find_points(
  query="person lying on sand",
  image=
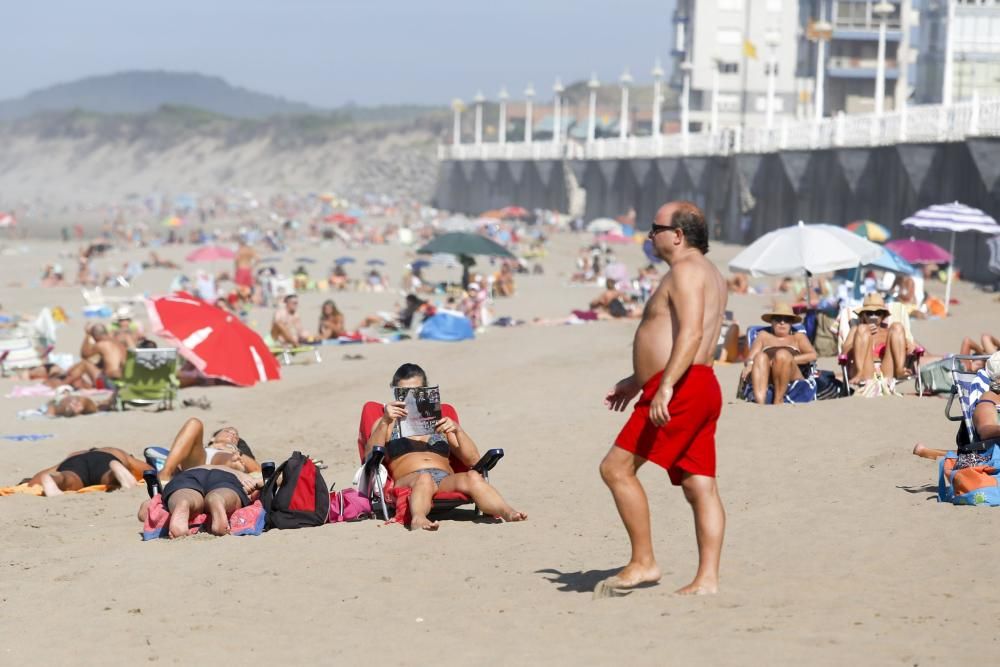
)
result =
(110, 466)
(225, 449)
(985, 421)
(214, 490)
(988, 344)
(776, 355)
(421, 462)
(75, 405)
(871, 338)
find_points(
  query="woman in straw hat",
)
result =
(776, 355)
(872, 341)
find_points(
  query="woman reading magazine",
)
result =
(420, 462)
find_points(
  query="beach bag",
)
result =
(936, 377)
(349, 505)
(296, 495)
(828, 386)
(975, 485)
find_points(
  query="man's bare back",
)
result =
(245, 257)
(654, 338)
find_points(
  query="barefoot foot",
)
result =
(423, 523)
(179, 522)
(696, 587)
(513, 515)
(50, 487)
(631, 576)
(219, 521)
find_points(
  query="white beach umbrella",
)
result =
(952, 218)
(815, 248)
(604, 226)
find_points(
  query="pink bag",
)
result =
(349, 505)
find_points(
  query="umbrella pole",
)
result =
(951, 266)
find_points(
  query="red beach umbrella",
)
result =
(212, 339)
(513, 212)
(7, 219)
(210, 253)
(341, 219)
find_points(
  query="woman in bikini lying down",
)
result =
(226, 448)
(214, 490)
(421, 462)
(115, 468)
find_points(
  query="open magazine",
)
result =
(423, 410)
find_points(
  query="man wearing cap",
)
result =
(776, 355)
(124, 329)
(871, 339)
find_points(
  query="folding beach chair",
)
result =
(799, 391)
(285, 355)
(19, 349)
(975, 484)
(897, 313)
(379, 487)
(149, 378)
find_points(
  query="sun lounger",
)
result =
(149, 378)
(379, 487)
(799, 391)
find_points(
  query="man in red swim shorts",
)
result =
(673, 423)
(246, 258)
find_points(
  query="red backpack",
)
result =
(296, 495)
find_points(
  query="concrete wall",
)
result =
(745, 196)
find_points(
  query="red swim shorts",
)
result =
(243, 277)
(686, 443)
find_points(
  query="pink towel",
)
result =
(247, 520)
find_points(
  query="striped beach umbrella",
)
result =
(870, 230)
(954, 218)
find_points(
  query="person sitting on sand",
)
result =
(776, 355)
(110, 466)
(286, 328)
(985, 421)
(404, 319)
(226, 449)
(108, 361)
(421, 462)
(214, 490)
(871, 339)
(331, 321)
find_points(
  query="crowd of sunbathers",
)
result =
(218, 476)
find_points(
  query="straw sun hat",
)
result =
(781, 310)
(873, 303)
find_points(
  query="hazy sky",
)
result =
(328, 52)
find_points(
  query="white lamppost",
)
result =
(686, 68)
(772, 39)
(949, 56)
(502, 121)
(593, 85)
(882, 11)
(822, 31)
(626, 81)
(558, 89)
(657, 102)
(457, 107)
(714, 119)
(529, 93)
(479, 99)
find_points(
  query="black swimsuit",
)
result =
(437, 444)
(89, 466)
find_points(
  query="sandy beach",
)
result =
(836, 549)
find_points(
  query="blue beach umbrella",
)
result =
(647, 248)
(419, 264)
(890, 261)
(305, 260)
(340, 261)
(375, 262)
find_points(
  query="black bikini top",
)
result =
(436, 444)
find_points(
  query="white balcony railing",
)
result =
(925, 123)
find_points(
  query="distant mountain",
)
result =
(145, 91)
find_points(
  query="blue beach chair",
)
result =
(799, 391)
(969, 386)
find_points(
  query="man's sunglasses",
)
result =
(780, 319)
(656, 229)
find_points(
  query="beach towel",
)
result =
(36, 490)
(974, 485)
(402, 495)
(247, 520)
(27, 437)
(31, 390)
